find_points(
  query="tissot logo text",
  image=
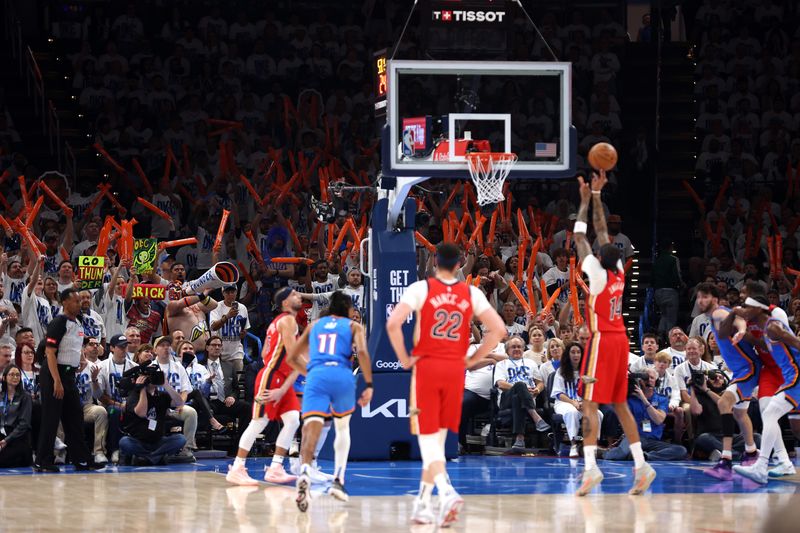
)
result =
(468, 16)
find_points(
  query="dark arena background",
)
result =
(195, 194)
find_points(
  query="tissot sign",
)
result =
(463, 15)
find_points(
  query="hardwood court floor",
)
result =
(501, 494)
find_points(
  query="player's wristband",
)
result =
(368, 385)
(580, 227)
(596, 192)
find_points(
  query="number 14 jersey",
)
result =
(604, 308)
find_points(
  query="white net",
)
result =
(489, 171)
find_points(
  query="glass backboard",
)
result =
(440, 110)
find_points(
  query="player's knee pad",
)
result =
(728, 425)
(291, 419)
(431, 449)
(342, 424)
(254, 429)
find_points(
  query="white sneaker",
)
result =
(115, 457)
(756, 472)
(591, 478)
(783, 469)
(237, 474)
(303, 498)
(573, 451)
(318, 476)
(421, 514)
(101, 458)
(276, 474)
(337, 491)
(449, 507)
(643, 477)
(59, 445)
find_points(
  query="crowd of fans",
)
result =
(201, 99)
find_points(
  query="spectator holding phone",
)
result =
(230, 321)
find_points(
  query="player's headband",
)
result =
(750, 302)
(281, 295)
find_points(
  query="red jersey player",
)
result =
(444, 308)
(275, 398)
(605, 362)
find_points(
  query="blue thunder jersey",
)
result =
(786, 357)
(330, 341)
(741, 358)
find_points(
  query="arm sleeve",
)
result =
(56, 330)
(597, 274)
(479, 301)
(415, 294)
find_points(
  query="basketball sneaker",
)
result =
(644, 476)
(449, 507)
(276, 474)
(591, 478)
(338, 492)
(782, 469)
(303, 498)
(749, 459)
(422, 514)
(318, 475)
(756, 472)
(722, 470)
(573, 451)
(238, 476)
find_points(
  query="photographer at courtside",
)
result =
(146, 418)
(649, 410)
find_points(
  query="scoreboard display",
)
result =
(466, 27)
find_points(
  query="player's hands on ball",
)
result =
(599, 180)
(585, 191)
(366, 397)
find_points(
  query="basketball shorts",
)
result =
(744, 384)
(273, 410)
(437, 389)
(330, 390)
(791, 390)
(605, 368)
(770, 378)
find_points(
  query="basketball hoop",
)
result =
(489, 171)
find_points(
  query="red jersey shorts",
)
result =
(437, 390)
(604, 370)
(771, 378)
(267, 380)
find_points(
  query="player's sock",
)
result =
(443, 485)
(425, 492)
(727, 455)
(341, 447)
(638, 455)
(239, 461)
(590, 456)
(750, 448)
(277, 460)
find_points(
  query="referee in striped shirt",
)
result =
(59, 356)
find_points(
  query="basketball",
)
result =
(603, 156)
